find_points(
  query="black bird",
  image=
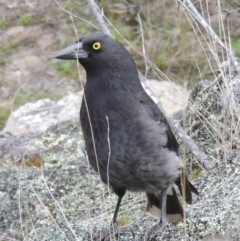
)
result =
(128, 139)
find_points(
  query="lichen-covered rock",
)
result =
(36, 118)
(49, 192)
(212, 117)
(212, 120)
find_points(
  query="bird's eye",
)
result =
(96, 46)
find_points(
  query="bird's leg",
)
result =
(120, 193)
(114, 229)
(163, 207)
(162, 223)
(114, 220)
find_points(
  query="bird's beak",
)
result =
(74, 51)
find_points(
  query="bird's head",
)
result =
(97, 50)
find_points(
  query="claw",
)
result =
(154, 231)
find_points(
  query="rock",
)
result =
(172, 96)
(212, 116)
(36, 118)
(212, 121)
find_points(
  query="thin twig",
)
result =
(99, 17)
(109, 153)
(73, 15)
(143, 45)
(189, 7)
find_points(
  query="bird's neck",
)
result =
(114, 79)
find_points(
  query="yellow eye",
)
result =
(96, 46)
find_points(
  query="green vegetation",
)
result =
(25, 97)
(236, 46)
(8, 49)
(68, 68)
(123, 220)
(3, 23)
(4, 114)
(25, 20)
(2, 62)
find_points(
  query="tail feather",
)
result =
(185, 185)
(174, 209)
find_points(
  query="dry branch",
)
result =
(189, 7)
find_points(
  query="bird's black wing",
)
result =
(158, 116)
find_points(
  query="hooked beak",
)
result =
(74, 51)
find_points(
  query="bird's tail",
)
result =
(174, 209)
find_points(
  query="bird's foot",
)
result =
(153, 232)
(111, 233)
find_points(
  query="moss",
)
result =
(123, 220)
